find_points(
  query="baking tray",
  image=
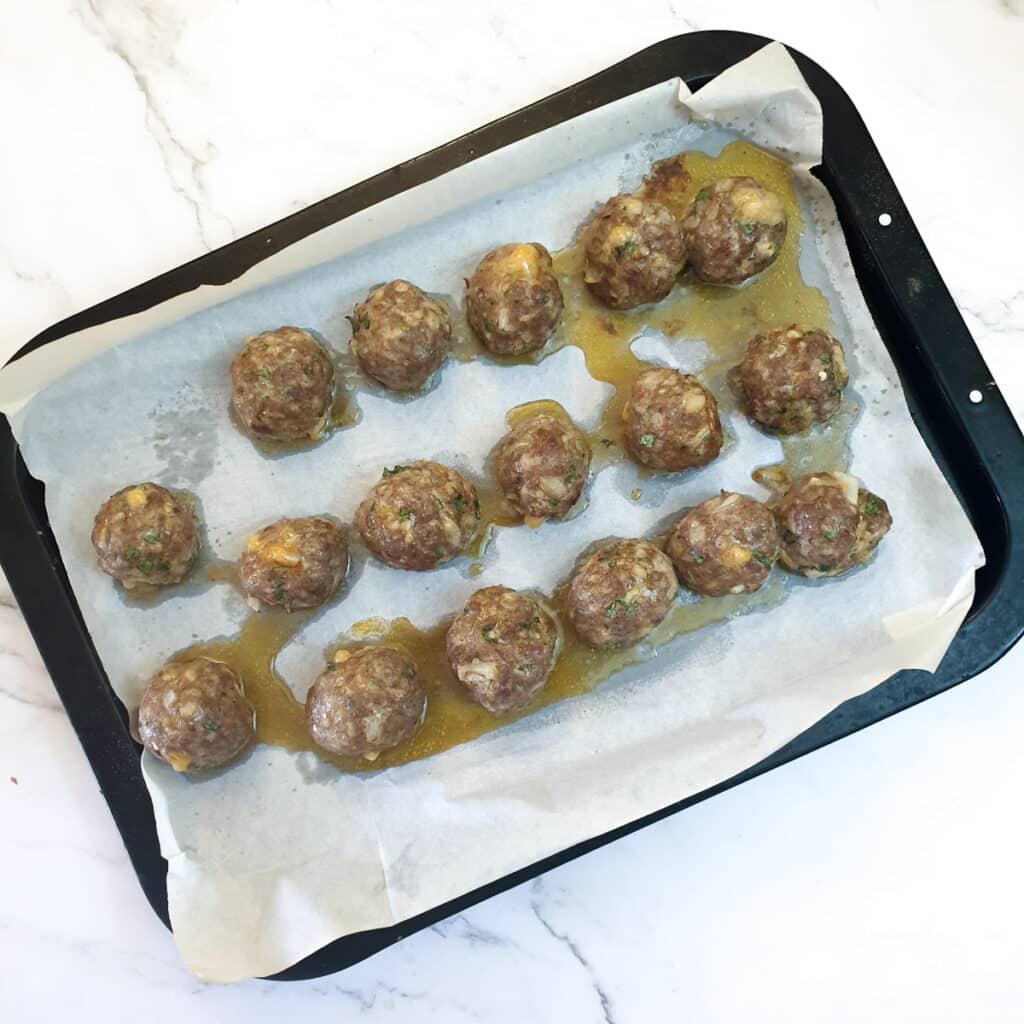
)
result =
(976, 443)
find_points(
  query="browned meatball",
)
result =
(726, 545)
(634, 252)
(828, 524)
(671, 421)
(792, 378)
(542, 464)
(400, 335)
(369, 701)
(620, 592)
(293, 563)
(733, 230)
(513, 300)
(502, 648)
(194, 715)
(418, 516)
(282, 385)
(146, 534)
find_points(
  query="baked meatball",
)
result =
(634, 252)
(542, 465)
(418, 516)
(194, 715)
(282, 386)
(502, 648)
(620, 592)
(400, 336)
(726, 545)
(146, 534)
(293, 563)
(733, 230)
(828, 524)
(671, 421)
(369, 701)
(792, 378)
(513, 300)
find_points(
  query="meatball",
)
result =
(293, 563)
(369, 701)
(513, 300)
(620, 592)
(828, 524)
(542, 464)
(502, 648)
(194, 715)
(733, 230)
(726, 545)
(634, 252)
(792, 378)
(418, 516)
(400, 336)
(146, 534)
(671, 421)
(282, 386)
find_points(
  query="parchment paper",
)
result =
(281, 854)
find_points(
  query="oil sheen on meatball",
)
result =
(369, 701)
(671, 421)
(620, 592)
(828, 524)
(418, 516)
(146, 534)
(400, 335)
(726, 545)
(513, 300)
(634, 252)
(502, 648)
(733, 230)
(542, 465)
(282, 386)
(293, 563)
(792, 378)
(194, 715)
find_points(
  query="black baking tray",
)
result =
(977, 444)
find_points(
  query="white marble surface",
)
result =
(876, 879)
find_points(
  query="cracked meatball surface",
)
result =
(671, 421)
(294, 563)
(620, 592)
(542, 465)
(400, 335)
(725, 545)
(513, 299)
(828, 524)
(370, 700)
(146, 534)
(194, 715)
(419, 516)
(792, 378)
(734, 229)
(282, 386)
(501, 646)
(633, 252)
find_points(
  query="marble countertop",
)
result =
(878, 878)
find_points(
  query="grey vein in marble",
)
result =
(673, 7)
(366, 999)
(98, 21)
(565, 940)
(42, 279)
(23, 679)
(1005, 320)
(460, 927)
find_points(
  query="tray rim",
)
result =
(114, 758)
